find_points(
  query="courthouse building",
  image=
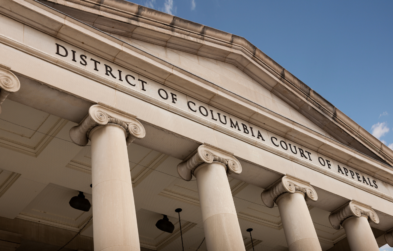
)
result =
(141, 113)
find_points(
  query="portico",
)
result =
(157, 118)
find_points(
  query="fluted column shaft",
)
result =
(220, 222)
(359, 234)
(115, 224)
(296, 220)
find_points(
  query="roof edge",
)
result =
(169, 22)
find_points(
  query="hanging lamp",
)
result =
(252, 242)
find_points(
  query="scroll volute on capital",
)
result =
(208, 154)
(352, 209)
(287, 184)
(9, 83)
(100, 115)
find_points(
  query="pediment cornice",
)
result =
(132, 20)
(95, 41)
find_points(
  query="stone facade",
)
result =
(145, 113)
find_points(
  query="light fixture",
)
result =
(252, 242)
(178, 210)
(165, 225)
(80, 202)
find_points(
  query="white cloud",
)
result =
(391, 146)
(193, 4)
(150, 3)
(383, 141)
(379, 129)
(169, 7)
(383, 114)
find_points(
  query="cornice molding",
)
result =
(287, 184)
(9, 83)
(235, 50)
(208, 154)
(374, 167)
(352, 209)
(101, 115)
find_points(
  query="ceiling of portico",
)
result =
(44, 183)
(51, 207)
(30, 140)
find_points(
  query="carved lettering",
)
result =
(104, 68)
(234, 125)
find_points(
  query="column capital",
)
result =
(287, 184)
(352, 209)
(8, 83)
(102, 115)
(208, 154)
(389, 237)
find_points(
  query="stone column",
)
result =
(389, 237)
(9, 83)
(210, 167)
(114, 219)
(289, 194)
(354, 217)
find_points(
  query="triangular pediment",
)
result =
(227, 61)
(228, 77)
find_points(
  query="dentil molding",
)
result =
(8, 83)
(352, 209)
(100, 115)
(287, 184)
(208, 154)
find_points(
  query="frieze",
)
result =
(212, 116)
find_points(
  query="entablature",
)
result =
(135, 21)
(120, 54)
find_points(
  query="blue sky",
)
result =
(341, 49)
(386, 248)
